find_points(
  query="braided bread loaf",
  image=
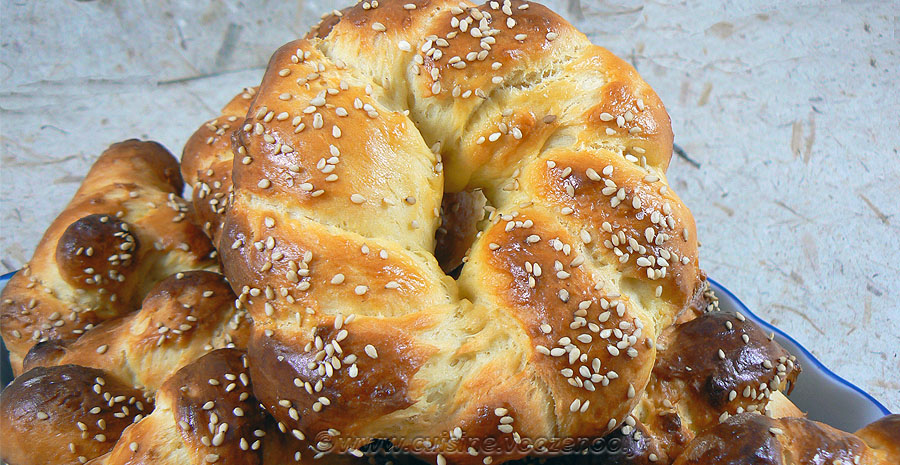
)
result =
(329, 239)
(183, 317)
(126, 229)
(883, 435)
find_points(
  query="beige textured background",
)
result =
(787, 113)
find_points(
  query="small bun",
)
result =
(65, 415)
(207, 160)
(709, 368)
(725, 362)
(97, 252)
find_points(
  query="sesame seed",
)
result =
(360, 290)
(357, 198)
(378, 27)
(371, 351)
(575, 405)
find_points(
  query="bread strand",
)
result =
(183, 317)
(207, 160)
(205, 413)
(66, 415)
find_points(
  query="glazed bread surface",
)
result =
(65, 415)
(207, 160)
(751, 438)
(205, 413)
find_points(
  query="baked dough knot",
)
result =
(339, 170)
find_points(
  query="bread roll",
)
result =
(126, 229)
(207, 160)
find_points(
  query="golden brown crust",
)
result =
(65, 415)
(590, 346)
(183, 317)
(207, 160)
(125, 229)
(750, 438)
(326, 23)
(112, 251)
(738, 368)
(288, 379)
(883, 435)
(205, 413)
(694, 386)
(643, 228)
